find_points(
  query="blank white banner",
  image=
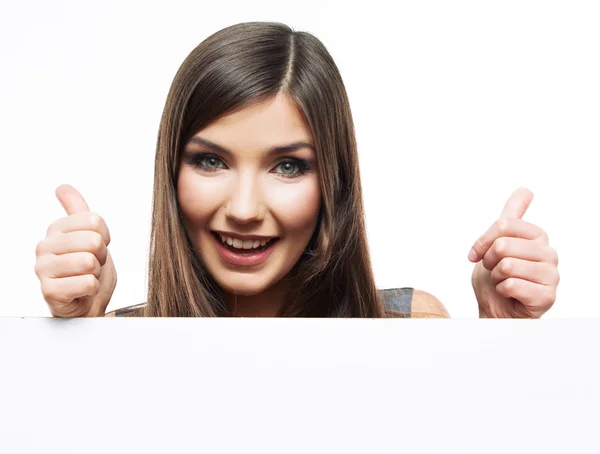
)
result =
(299, 386)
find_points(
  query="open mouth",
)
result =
(246, 248)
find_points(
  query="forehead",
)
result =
(269, 123)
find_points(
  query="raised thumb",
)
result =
(517, 204)
(71, 200)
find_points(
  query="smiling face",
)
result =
(246, 178)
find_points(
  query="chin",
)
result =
(243, 288)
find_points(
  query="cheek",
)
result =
(196, 208)
(296, 206)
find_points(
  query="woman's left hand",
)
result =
(516, 274)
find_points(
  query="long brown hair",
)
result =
(233, 68)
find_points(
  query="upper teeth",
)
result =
(243, 244)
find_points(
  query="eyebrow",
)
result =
(271, 151)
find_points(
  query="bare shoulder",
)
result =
(425, 305)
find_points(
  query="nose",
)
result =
(245, 205)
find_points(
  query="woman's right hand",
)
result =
(75, 269)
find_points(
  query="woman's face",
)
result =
(244, 179)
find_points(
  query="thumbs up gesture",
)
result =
(516, 271)
(73, 264)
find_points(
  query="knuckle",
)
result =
(550, 297)
(506, 266)
(40, 248)
(502, 226)
(50, 230)
(500, 246)
(509, 284)
(56, 226)
(96, 221)
(98, 224)
(91, 284)
(502, 289)
(88, 262)
(39, 267)
(96, 242)
(48, 290)
(552, 256)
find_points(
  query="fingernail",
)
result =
(472, 255)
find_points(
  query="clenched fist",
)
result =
(516, 275)
(75, 269)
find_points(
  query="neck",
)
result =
(264, 304)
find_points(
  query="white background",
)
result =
(456, 104)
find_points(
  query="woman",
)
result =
(258, 208)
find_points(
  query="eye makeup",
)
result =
(210, 162)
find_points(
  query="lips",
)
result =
(246, 250)
(244, 257)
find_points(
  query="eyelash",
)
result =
(197, 159)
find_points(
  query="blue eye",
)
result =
(289, 167)
(293, 167)
(207, 162)
(212, 163)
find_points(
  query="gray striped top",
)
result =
(397, 300)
